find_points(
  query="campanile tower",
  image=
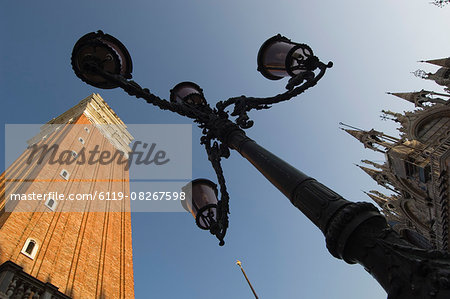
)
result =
(59, 236)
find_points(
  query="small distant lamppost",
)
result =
(246, 278)
(354, 232)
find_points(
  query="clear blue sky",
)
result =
(374, 45)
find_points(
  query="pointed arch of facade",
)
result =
(427, 118)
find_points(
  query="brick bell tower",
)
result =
(60, 247)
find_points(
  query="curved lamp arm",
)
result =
(244, 104)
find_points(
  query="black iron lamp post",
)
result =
(354, 232)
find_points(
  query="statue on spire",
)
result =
(398, 117)
(421, 74)
(440, 3)
(441, 77)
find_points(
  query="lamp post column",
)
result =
(354, 232)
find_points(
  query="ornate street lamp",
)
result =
(201, 201)
(278, 57)
(354, 232)
(188, 93)
(102, 50)
(103, 61)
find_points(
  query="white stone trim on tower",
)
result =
(100, 115)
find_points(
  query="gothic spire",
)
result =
(379, 176)
(379, 194)
(409, 96)
(374, 174)
(445, 62)
(368, 138)
(398, 118)
(394, 114)
(378, 199)
(418, 98)
(358, 134)
(379, 166)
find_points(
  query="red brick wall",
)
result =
(86, 254)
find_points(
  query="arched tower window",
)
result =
(30, 248)
(65, 174)
(51, 203)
